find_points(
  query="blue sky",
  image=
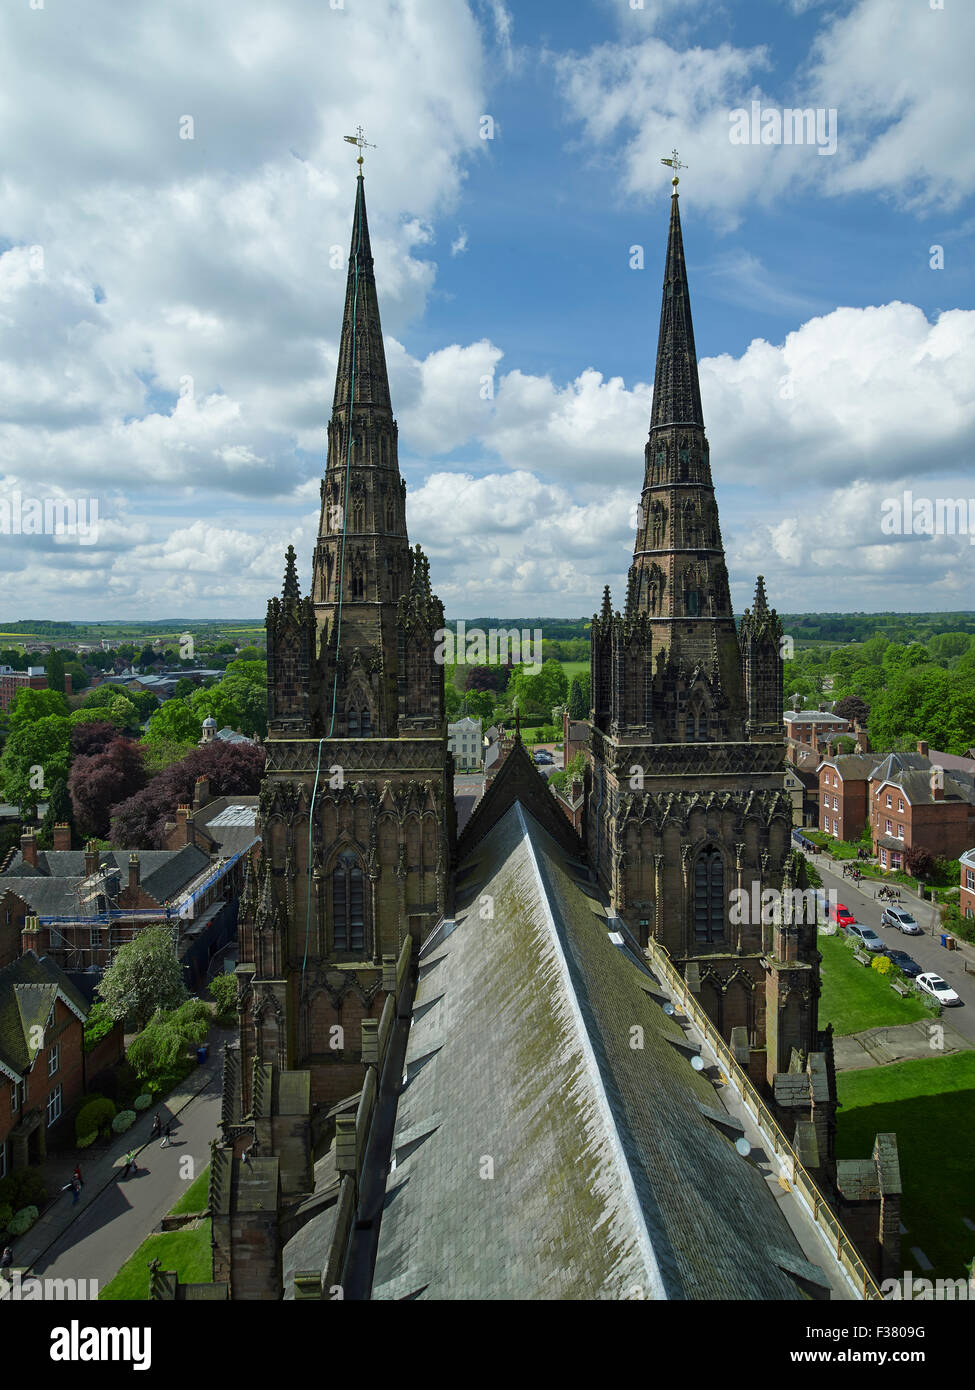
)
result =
(169, 307)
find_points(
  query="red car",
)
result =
(842, 916)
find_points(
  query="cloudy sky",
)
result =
(169, 306)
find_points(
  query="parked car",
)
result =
(902, 920)
(905, 963)
(941, 990)
(541, 757)
(864, 936)
(841, 915)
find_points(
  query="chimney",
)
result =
(182, 812)
(201, 793)
(576, 789)
(30, 936)
(937, 783)
(62, 836)
(190, 828)
(133, 877)
(91, 858)
(28, 848)
(922, 748)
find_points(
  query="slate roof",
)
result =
(611, 1178)
(50, 888)
(29, 987)
(230, 821)
(852, 767)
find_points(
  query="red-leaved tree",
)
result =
(233, 769)
(98, 782)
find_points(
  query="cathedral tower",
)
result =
(357, 799)
(686, 800)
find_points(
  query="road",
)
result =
(927, 950)
(106, 1233)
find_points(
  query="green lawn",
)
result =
(930, 1106)
(855, 997)
(187, 1251)
(575, 668)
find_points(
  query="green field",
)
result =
(855, 997)
(187, 1251)
(930, 1106)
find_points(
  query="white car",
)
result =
(903, 921)
(940, 989)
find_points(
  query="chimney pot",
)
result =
(28, 848)
(134, 875)
(922, 747)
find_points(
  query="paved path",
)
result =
(114, 1216)
(900, 1042)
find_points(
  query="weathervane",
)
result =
(360, 141)
(674, 163)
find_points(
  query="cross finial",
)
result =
(675, 164)
(359, 140)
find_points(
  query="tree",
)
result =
(183, 687)
(478, 704)
(174, 722)
(100, 782)
(233, 769)
(59, 812)
(853, 709)
(34, 757)
(55, 672)
(919, 862)
(89, 736)
(144, 977)
(32, 705)
(577, 705)
(452, 700)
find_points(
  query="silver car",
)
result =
(903, 921)
(865, 937)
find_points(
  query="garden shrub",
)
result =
(142, 1102)
(22, 1189)
(98, 1025)
(881, 964)
(85, 1141)
(224, 990)
(94, 1115)
(21, 1223)
(124, 1120)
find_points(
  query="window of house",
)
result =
(54, 1059)
(709, 895)
(883, 857)
(14, 1099)
(969, 912)
(888, 799)
(900, 832)
(348, 922)
(54, 1102)
(836, 804)
(890, 827)
(970, 879)
(900, 804)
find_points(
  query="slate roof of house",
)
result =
(852, 767)
(912, 772)
(29, 987)
(812, 716)
(231, 822)
(164, 872)
(611, 1178)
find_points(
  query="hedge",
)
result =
(21, 1223)
(95, 1114)
(124, 1120)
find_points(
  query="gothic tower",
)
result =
(686, 799)
(357, 799)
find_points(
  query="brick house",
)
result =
(844, 783)
(575, 737)
(34, 678)
(966, 897)
(42, 1070)
(807, 730)
(916, 802)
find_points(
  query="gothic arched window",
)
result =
(348, 905)
(708, 896)
(365, 722)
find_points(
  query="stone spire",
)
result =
(676, 390)
(361, 376)
(290, 589)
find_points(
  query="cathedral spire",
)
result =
(290, 589)
(760, 606)
(361, 376)
(676, 390)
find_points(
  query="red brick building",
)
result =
(966, 900)
(575, 737)
(34, 678)
(42, 1071)
(843, 794)
(915, 802)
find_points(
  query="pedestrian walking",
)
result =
(7, 1258)
(75, 1191)
(77, 1174)
(167, 1135)
(129, 1163)
(156, 1126)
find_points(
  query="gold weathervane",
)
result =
(359, 140)
(674, 163)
